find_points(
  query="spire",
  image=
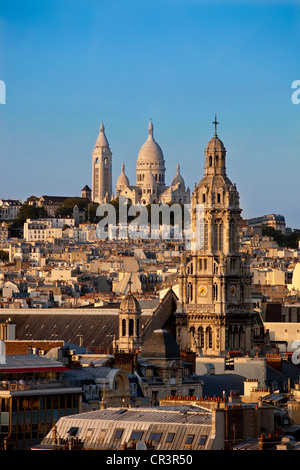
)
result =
(150, 128)
(102, 140)
(215, 122)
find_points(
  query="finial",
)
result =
(150, 127)
(123, 168)
(102, 126)
(215, 122)
(129, 285)
(178, 168)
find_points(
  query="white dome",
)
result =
(149, 179)
(178, 179)
(150, 152)
(122, 180)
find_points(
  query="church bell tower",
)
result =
(129, 324)
(214, 308)
(101, 169)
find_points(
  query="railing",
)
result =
(35, 385)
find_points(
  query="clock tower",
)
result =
(214, 311)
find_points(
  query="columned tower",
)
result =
(101, 169)
(214, 309)
(129, 324)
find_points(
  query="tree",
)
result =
(66, 209)
(290, 240)
(28, 211)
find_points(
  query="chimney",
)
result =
(8, 331)
(234, 397)
(266, 442)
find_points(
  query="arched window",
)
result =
(137, 326)
(218, 235)
(131, 327)
(231, 235)
(210, 160)
(203, 198)
(190, 292)
(206, 236)
(215, 291)
(192, 334)
(221, 236)
(123, 327)
(201, 337)
(208, 337)
(218, 197)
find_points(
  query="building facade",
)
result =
(276, 221)
(9, 209)
(33, 396)
(214, 308)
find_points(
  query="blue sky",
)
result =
(68, 65)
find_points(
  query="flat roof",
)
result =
(29, 363)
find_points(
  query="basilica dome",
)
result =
(178, 179)
(123, 179)
(150, 152)
(149, 179)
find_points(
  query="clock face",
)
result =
(232, 291)
(202, 291)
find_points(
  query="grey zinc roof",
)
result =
(214, 385)
(28, 360)
(97, 429)
(179, 415)
(160, 344)
(97, 329)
